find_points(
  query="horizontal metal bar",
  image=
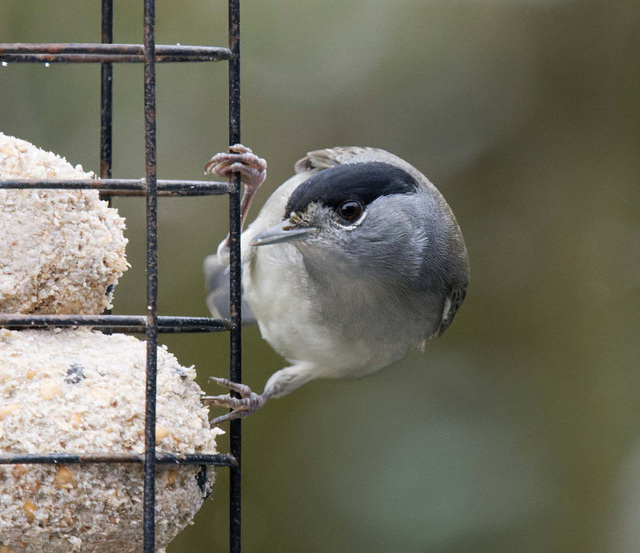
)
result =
(54, 52)
(118, 323)
(220, 459)
(125, 187)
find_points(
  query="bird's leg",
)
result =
(253, 171)
(280, 384)
(248, 402)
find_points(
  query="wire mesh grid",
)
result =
(106, 53)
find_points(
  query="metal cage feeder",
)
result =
(106, 54)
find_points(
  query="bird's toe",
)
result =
(248, 402)
(239, 159)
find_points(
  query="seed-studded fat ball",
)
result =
(81, 391)
(61, 251)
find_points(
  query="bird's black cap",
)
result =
(363, 182)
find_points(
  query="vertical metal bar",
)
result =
(152, 274)
(235, 276)
(106, 104)
(106, 95)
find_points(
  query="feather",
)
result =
(216, 273)
(330, 157)
(452, 303)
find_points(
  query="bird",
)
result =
(352, 263)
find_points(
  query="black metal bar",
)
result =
(152, 275)
(235, 369)
(221, 460)
(125, 187)
(117, 323)
(106, 95)
(106, 53)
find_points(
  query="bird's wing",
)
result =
(452, 303)
(330, 157)
(216, 275)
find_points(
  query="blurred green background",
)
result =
(519, 430)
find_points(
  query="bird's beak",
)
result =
(287, 231)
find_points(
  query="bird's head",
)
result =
(372, 221)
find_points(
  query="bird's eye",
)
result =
(350, 211)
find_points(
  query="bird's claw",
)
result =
(248, 402)
(239, 159)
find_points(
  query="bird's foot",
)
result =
(248, 402)
(239, 159)
(252, 169)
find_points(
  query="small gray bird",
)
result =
(353, 262)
